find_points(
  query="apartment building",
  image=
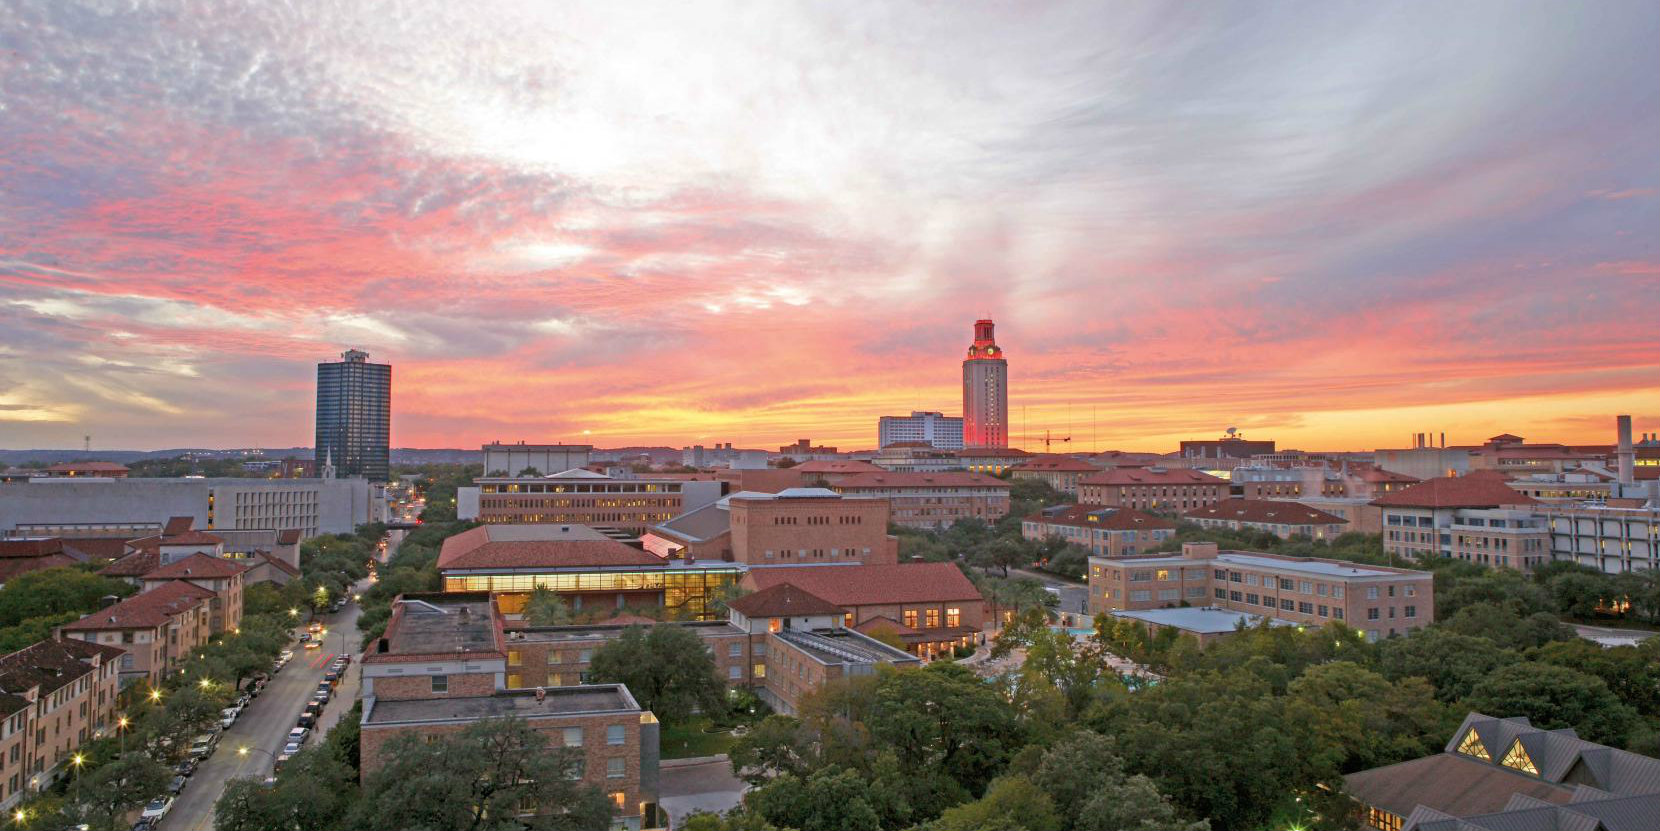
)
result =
(932, 500)
(582, 497)
(1282, 519)
(933, 429)
(1058, 470)
(1103, 531)
(1377, 600)
(1478, 517)
(931, 607)
(807, 644)
(313, 506)
(1615, 535)
(588, 568)
(55, 696)
(1166, 490)
(992, 461)
(222, 577)
(154, 629)
(916, 457)
(793, 526)
(442, 666)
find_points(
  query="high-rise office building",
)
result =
(933, 429)
(985, 391)
(354, 416)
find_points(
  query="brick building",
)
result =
(586, 567)
(218, 575)
(21, 556)
(793, 526)
(1103, 531)
(582, 497)
(1167, 490)
(931, 607)
(1377, 600)
(155, 629)
(1282, 519)
(55, 696)
(932, 500)
(442, 665)
(1478, 517)
(806, 644)
(1060, 471)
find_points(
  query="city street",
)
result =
(264, 725)
(1074, 596)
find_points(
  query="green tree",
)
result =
(114, 789)
(1012, 803)
(1580, 594)
(1508, 628)
(545, 608)
(943, 717)
(1554, 697)
(56, 591)
(666, 667)
(1362, 720)
(316, 789)
(777, 745)
(477, 779)
(1133, 804)
(832, 799)
(1452, 663)
(1632, 673)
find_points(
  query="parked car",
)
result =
(308, 716)
(243, 700)
(227, 716)
(332, 676)
(305, 637)
(315, 627)
(203, 746)
(143, 825)
(157, 808)
(186, 767)
(176, 785)
(288, 751)
(298, 735)
(324, 692)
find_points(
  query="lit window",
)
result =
(953, 616)
(775, 624)
(514, 658)
(760, 670)
(1164, 574)
(1517, 759)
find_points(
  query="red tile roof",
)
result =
(1131, 476)
(783, 600)
(288, 536)
(11, 567)
(279, 564)
(136, 564)
(204, 566)
(473, 549)
(849, 586)
(1056, 463)
(178, 525)
(881, 622)
(1104, 518)
(838, 466)
(947, 479)
(145, 610)
(1378, 474)
(1266, 512)
(29, 548)
(50, 664)
(98, 548)
(192, 538)
(1474, 491)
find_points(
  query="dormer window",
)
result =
(1517, 759)
(1472, 746)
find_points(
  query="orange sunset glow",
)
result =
(695, 224)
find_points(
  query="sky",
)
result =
(1332, 224)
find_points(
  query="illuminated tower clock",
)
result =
(985, 391)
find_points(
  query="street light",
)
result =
(77, 761)
(20, 817)
(121, 725)
(155, 696)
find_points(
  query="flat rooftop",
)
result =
(431, 627)
(1300, 565)
(604, 632)
(560, 701)
(839, 646)
(1206, 620)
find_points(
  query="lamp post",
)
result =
(19, 817)
(121, 725)
(244, 750)
(76, 761)
(155, 696)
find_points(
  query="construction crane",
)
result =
(1048, 439)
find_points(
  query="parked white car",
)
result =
(157, 808)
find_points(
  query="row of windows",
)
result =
(673, 488)
(1285, 604)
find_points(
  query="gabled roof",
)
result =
(537, 546)
(699, 525)
(50, 665)
(198, 565)
(145, 610)
(1473, 491)
(178, 525)
(278, 563)
(860, 585)
(783, 600)
(192, 538)
(1056, 463)
(948, 479)
(1132, 476)
(837, 466)
(137, 564)
(1266, 512)
(1104, 518)
(96, 548)
(30, 548)
(288, 536)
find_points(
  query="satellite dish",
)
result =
(1232, 430)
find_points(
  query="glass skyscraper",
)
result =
(354, 416)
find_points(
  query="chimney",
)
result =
(1443, 439)
(108, 600)
(541, 694)
(1627, 457)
